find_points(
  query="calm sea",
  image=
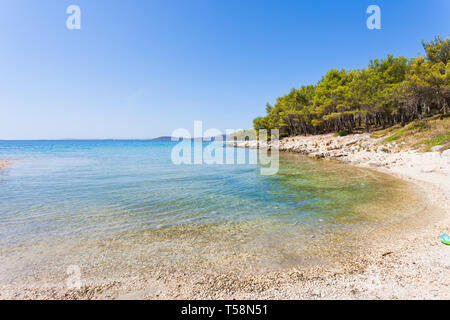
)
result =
(72, 197)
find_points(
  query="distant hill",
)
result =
(163, 138)
(244, 135)
(224, 137)
(169, 138)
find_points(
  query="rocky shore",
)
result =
(414, 264)
(360, 149)
(405, 262)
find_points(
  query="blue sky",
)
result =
(141, 69)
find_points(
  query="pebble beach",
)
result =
(401, 261)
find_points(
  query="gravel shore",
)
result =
(402, 262)
(408, 263)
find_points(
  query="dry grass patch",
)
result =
(420, 134)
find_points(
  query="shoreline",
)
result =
(417, 265)
(405, 262)
(363, 151)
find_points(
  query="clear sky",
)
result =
(141, 69)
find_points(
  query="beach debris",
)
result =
(445, 239)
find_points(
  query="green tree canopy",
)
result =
(389, 91)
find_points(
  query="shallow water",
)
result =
(118, 206)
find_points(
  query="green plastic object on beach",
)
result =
(445, 239)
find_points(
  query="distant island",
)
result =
(224, 137)
(163, 138)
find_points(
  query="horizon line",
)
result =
(167, 138)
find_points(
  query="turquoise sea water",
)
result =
(73, 191)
